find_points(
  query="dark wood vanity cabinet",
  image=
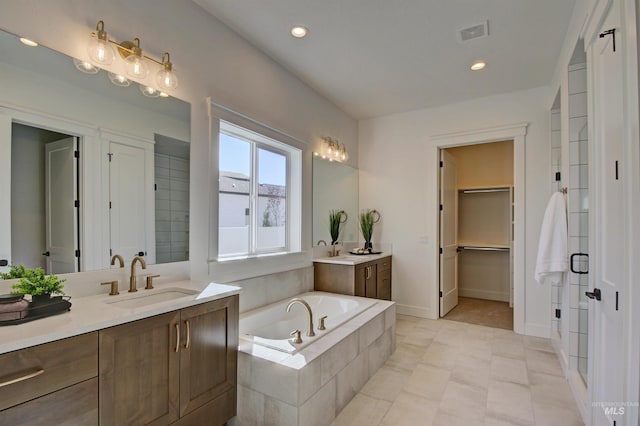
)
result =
(178, 367)
(369, 279)
(52, 383)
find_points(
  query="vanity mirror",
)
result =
(335, 187)
(88, 169)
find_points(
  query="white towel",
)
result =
(552, 249)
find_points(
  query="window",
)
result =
(257, 201)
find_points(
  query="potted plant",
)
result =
(367, 219)
(34, 282)
(336, 217)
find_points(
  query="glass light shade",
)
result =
(101, 51)
(119, 80)
(136, 66)
(149, 91)
(85, 67)
(167, 78)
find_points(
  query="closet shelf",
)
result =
(480, 248)
(482, 244)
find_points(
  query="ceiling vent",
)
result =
(480, 30)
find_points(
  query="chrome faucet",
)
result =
(132, 280)
(119, 259)
(295, 300)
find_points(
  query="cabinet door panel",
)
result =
(212, 332)
(139, 372)
(371, 283)
(384, 284)
(361, 274)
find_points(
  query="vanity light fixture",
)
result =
(478, 65)
(137, 64)
(28, 42)
(100, 51)
(149, 91)
(299, 31)
(333, 150)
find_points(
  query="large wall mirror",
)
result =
(95, 169)
(335, 187)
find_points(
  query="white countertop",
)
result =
(96, 312)
(351, 259)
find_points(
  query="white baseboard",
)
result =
(484, 294)
(415, 311)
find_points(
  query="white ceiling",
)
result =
(378, 57)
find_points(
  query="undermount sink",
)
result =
(150, 297)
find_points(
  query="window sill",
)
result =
(240, 268)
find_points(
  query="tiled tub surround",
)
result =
(311, 386)
(271, 325)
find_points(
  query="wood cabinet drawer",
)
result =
(32, 372)
(74, 405)
(384, 264)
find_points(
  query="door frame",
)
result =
(516, 132)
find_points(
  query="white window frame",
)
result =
(274, 143)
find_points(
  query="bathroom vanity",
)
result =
(172, 362)
(366, 276)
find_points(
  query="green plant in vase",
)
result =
(367, 219)
(33, 282)
(336, 218)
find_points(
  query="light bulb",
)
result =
(85, 67)
(100, 51)
(136, 67)
(166, 77)
(149, 91)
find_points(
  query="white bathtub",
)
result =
(271, 325)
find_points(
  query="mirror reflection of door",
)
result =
(44, 219)
(60, 196)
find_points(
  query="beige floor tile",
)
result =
(507, 347)
(410, 410)
(446, 419)
(471, 371)
(386, 384)
(543, 362)
(538, 343)
(428, 382)
(441, 355)
(362, 411)
(464, 401)
(509, 370)
(546, 415)
(406, 357)
(510, 402)
(551, 391)
(417, 336)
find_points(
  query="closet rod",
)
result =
(475, 191)
(485, 248)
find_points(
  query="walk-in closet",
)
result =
(484, 197)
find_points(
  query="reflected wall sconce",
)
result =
(102, 52)
(332, 150)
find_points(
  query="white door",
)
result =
(608, 206)
(61, 224)
(127, 200)
(448, 232)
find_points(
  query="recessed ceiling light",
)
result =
(28, 42)
(479, 65)
(299, 31)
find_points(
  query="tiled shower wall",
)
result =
(578, 215)
(172, 208)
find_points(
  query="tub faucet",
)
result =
(132, 280)
(295, 300)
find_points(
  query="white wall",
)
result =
(397, 160)
(211, 61)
